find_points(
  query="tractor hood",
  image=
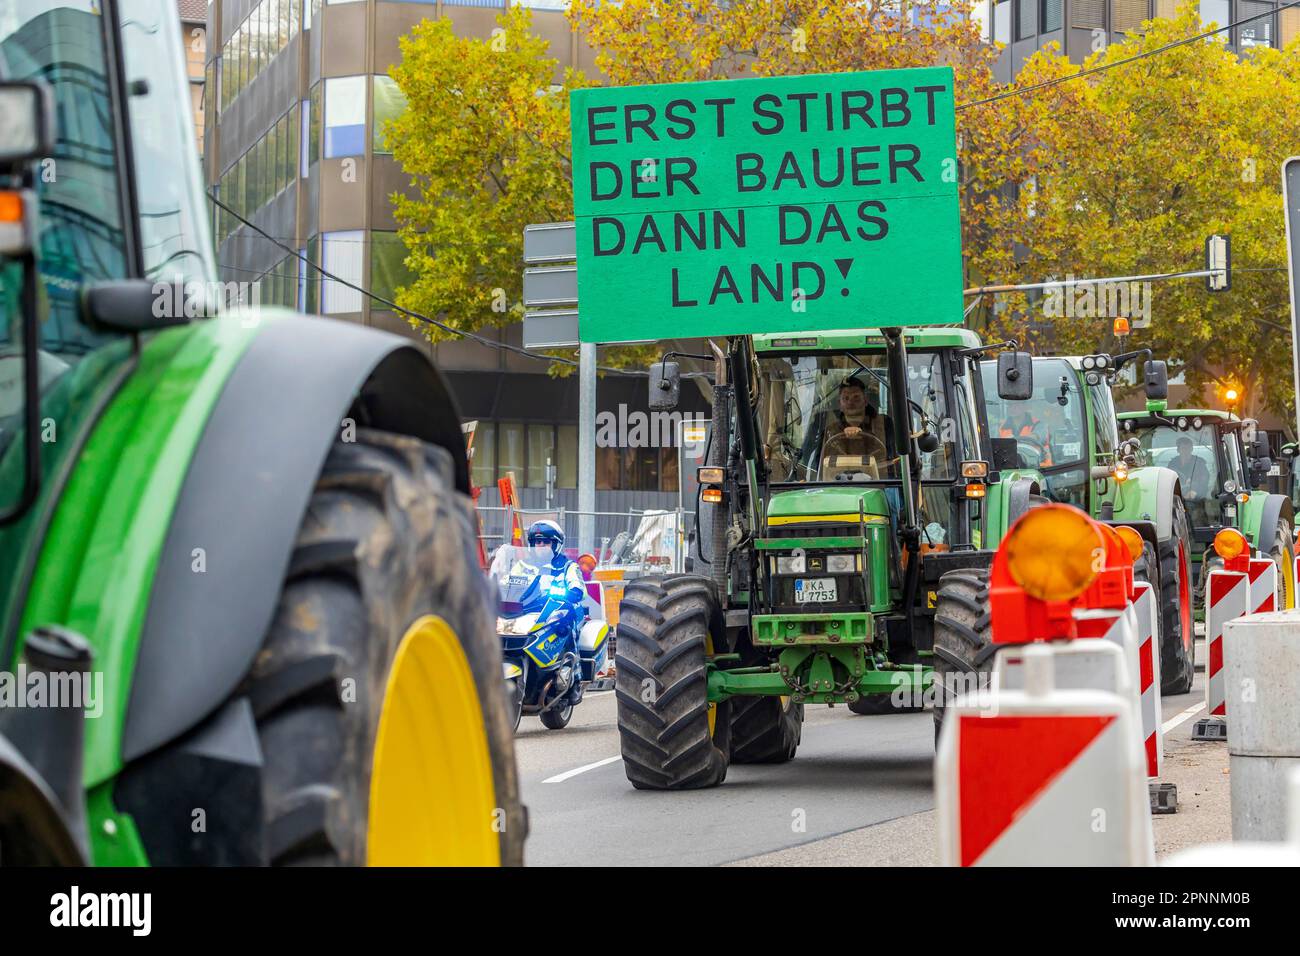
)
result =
(825, 504)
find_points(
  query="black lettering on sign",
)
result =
(602, 250)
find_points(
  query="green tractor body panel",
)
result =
(928, 338)
(1138, 498)
(827, 504)
(96, 567)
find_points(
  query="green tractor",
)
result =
(847, 490)
(1067, 438)
(1223, 464)
(241, 618)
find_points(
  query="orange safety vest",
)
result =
(1027, 431)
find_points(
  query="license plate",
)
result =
(814, 591)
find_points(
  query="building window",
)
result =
(484, 473)
(342, 253)
(1026, 27)
(345, 116)
(1127, 15)
(1218, 13)
(1002, 22)
(541, 448)
(305, 140)
(566, 457)
(1053, 15)
(510, 450)
(388, 271)
(1088, 14)
(1257, 32)
(389, 102)
(313, 276)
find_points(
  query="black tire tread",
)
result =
(385, 540)
(665, 742)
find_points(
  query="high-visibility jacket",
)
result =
(1029, 430)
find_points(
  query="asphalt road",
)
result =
(859, 791)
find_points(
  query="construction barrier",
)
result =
(1153, 740)
(1018, 772)
(1226, 596)
(1053, 752)
(1262, 667)
(1262, 573)
(1252, 853)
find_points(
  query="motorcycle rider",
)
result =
(561, 578)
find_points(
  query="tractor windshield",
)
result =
(1191, 453)
(828, 418)
(92, 226)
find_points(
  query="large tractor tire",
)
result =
(1282, 551)
(378, 696)
(765, 729)
(1174, 554)
(963, 637)
(671, 737)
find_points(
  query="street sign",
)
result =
(550, 330)
(1291, 203)
(550, 286)
(778, 204)
(549, 242)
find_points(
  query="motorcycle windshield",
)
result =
(517, 573)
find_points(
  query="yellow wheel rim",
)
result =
(1288, 583)
(432, 802)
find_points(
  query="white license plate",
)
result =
(814, 591)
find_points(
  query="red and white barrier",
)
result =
(1153, 740)
(1263, 585)
(1226, 596)
(1019, 772)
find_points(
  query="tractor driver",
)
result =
(1021, 422)
(1194, 478)
(857, 428)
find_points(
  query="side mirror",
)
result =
(665, 386)
(1259, 447)
(1156, 374)
(1015, 376)
(141, 305)
(26, 123)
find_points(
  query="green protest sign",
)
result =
(778, 204)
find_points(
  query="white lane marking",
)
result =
(1174, 721)
(561, 777)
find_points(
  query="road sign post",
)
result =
(1291, 203)
(766, 205)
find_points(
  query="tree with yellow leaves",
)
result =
(1128, 171)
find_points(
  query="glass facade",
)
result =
(345, 116)
(262, 34)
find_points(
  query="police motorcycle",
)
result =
(553, 641)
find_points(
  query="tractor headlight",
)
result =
(790, 564)
(841, 563)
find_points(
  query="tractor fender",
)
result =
(1148, 495)
(1010, 500)
(244, 495)
(33, 826)
(1275, 508)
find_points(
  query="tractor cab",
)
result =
(1223, 465)
(828, 427)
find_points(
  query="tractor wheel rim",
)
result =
(432, 800)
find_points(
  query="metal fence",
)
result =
(649, 537)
